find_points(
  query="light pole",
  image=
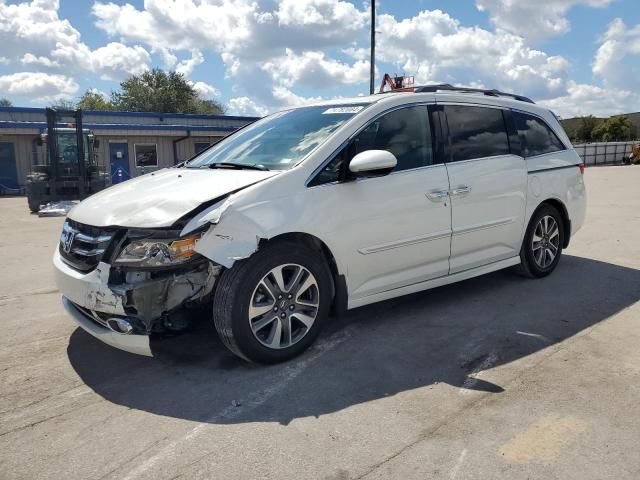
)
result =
(373, 48)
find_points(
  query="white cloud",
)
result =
(583, 99)
(116, 60)
(33, 33)
(434, 47)
(287, 98)
(617, 60)
(534, 20)
(38, 86)
(205, 90)
(315, 69)
(245, 106)
(186, 66)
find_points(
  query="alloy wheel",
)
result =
(545, 242)
(284, 306)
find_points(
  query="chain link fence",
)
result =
(602, 153)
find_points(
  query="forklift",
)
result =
(69, 169)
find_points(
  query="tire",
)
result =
(250, 286)
(535, 256)
(34, 207)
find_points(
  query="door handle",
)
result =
(437, 195)
(461, 190)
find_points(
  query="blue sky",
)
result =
(576, 56)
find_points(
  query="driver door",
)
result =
(391, 230)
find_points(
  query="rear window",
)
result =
(535, 136)
(476, 132)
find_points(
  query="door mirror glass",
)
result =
(373, 161)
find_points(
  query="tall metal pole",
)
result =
(373, 48)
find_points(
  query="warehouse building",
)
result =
(130, 143)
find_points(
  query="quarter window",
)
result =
(535, 136)
(476, 132)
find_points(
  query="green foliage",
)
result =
(63, 105)
(613, 129)
(5, 102)
(91, 100)
(586, 125)
(160, 91)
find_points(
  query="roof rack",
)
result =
(448, 87)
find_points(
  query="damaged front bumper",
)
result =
(122, 308)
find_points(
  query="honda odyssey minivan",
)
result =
(321, 209)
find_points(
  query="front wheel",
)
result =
(542, 244)
(272, 306)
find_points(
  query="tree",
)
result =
(613, 129)
(586, 125)
(160, 91)
(92, 100)
(5, 102)
(64, 105)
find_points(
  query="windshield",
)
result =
(68, 147)
(279, 141)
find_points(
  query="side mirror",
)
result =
(373, 161)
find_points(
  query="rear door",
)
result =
(488, 185)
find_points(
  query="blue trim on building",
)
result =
(135, 114)
(122, 126)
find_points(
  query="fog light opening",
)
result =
(119, 325)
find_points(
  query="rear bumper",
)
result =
(138, 344)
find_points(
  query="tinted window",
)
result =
(535, 136)
(476, 132)
(405, 133)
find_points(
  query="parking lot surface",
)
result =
(498, 377)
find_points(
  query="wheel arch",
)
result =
(339, 285)
(564, 213)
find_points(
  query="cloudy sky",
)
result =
(576, 56)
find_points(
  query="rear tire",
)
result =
(271, 307)
(542, 245)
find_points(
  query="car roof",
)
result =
(438, 97)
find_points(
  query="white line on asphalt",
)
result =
(456, 467)
(254, 400)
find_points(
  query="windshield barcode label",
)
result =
(355, 109)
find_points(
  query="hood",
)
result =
(160, 198)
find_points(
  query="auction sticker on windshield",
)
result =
(343, 110)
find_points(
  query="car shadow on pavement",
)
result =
(442, 335)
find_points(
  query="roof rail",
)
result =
(448, 87)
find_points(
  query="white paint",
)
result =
(456, 468)
(290, 372)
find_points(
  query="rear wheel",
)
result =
(272, 306)
(542, 244)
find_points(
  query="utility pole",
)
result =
(373, 48)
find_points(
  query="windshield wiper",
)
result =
(239, 166)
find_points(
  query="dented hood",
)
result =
(159, 199)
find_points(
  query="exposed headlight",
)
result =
(158, 252)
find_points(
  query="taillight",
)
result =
(581, 167)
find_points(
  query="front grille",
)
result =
(83, 246)
(99, 318)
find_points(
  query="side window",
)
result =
(476, 132)
(405, 133)
(535, 135)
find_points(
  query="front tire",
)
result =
(542, 245)
(272, 306)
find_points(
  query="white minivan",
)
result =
(320, 209)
